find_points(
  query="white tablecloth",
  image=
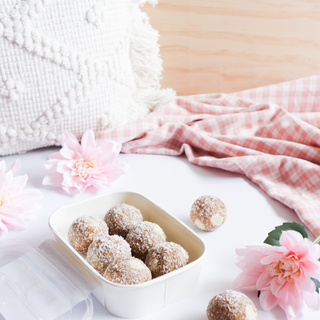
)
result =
(174, 183)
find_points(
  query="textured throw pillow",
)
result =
(74, 65)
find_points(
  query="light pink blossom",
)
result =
(282, 273)
(16, 205)
(89, 165)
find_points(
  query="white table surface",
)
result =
(174, 183)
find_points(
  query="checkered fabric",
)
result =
(271, 134)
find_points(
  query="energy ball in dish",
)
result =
(128, 271)
(144, 236)
(208, 213)
(121, 218)
(83, 230)
(166, 257)
(105, 250)
(231, 305)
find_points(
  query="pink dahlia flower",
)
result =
(282, 274)
(89, 165)
(16, 205)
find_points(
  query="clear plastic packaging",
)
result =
(40, 283)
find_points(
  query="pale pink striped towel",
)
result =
(271, 134)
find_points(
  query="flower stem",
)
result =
(317, 239)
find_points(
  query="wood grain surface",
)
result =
(231, 45)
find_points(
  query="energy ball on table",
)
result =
(231, 305)
(83, 230)
(128, 271)
(208, 213)
(121, 218)
(105, 250)
(144, 236)
(166, 257)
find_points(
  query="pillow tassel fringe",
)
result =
(146, 61)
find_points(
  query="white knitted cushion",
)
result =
(74, 65)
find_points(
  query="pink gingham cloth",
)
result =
(271, 134)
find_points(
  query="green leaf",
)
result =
(317, 283)
(274, 235)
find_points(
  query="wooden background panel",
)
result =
(232, 45)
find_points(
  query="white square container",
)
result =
(134, 301)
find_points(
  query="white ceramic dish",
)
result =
(136, 300)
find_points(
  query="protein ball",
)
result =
(231, 305)
(129, 271)
(121, 218)
(105, 250)
(83, 230)
(166, 257)
(144, 236)
(208, 213)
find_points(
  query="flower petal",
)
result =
(245, 282)
(14, 167)
(2, 166)
(87, 141)
(290, 238)
(56, 155)
(291, 305)
(110, 149)
(69, 141)
(3, 226)
(251, 248)
(30, 195)
(304, 281)
(69, 180)
(264, 281)
(53, 179)
(268, 250)
(81, 186)
(312, 267)
(115, 172)
(271, 258)
(18, 183)
(267, 300)
(312, 299)
(99, 185)
(64, 166)
(70, 190)
(251, 265)
(51, 165)
(18, 204)
(278, 289)
(305, 249)
(15, 221)
(2, 180)
(68, 153)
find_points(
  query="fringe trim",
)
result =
(146, 61)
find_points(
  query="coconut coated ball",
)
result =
(144, 236)
(166, 257)
(83, 230)
(128, 271)
(121, 218)
(105, 250)
(208, 213)
(231, 305)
